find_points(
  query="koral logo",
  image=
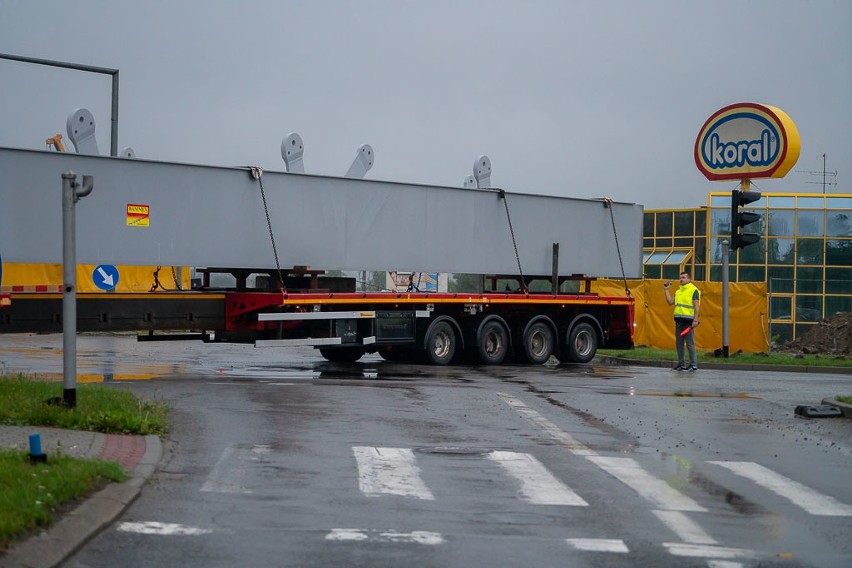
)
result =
(760, 152)
(747, 140)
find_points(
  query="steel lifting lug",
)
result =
(256, 172)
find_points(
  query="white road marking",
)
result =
(166, 529)
(558, 435)
(538, 485)
(228, 473)
(723, 564)
(698, 550)
(389, 471)
(598, 544)
(651, 488)
(625, 469)
(684, 527)
(800, 495)
(415, 537)
(346, 534)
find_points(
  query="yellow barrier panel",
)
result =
(131, 278)
(748, 322)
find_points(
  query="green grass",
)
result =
(647, 353)
(31, 495)
(846, 399)
(99, 408)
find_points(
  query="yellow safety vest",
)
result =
(684, 308)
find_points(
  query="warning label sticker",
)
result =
(138, 215)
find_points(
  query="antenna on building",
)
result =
(828, 178)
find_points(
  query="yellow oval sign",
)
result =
(745, 141)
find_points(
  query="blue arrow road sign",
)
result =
(105, 276)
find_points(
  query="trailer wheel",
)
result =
(538, 343)
(493, 344)
(440, 344)
(341, 354)
(582, 343)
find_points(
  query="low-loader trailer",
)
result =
(156, 213)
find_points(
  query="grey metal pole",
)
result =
(71, 193)
(69, 292)
(113, 139)
(725, 262)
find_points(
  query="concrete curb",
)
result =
(845, 408)
(97, 512)
(728, 366)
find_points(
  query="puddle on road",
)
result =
(682, 471)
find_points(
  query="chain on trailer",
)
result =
(257, 173)
(159, 285)
(608, 204)
(502, 195)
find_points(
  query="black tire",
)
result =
(582, 343)
(538, 343)
(440, 344)
(493, 343)
(342, 354)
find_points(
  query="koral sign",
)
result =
(745, 141)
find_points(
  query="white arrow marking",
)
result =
(107, 277)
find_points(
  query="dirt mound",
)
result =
(832, 336)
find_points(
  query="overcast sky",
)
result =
(569, 98)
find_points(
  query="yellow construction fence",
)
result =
(748, 323)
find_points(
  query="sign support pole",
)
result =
(725, 282)
(71, 193)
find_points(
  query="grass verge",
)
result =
(646, 353)
(23, 401)
(32, 495)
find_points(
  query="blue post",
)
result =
(36, 455)
(35, 444)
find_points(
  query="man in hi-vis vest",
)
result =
(687, 300)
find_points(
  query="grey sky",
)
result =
(573, 98)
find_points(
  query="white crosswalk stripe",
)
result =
(684, 527)
(800, 495)
(394, 472)
(598, 544)
(389, 471)
(538, 485)
(651, 488)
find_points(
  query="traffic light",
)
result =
(742, 218)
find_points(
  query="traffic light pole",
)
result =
(725, 279)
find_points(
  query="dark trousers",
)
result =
(688, 339)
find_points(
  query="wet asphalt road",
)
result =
(278, 458)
